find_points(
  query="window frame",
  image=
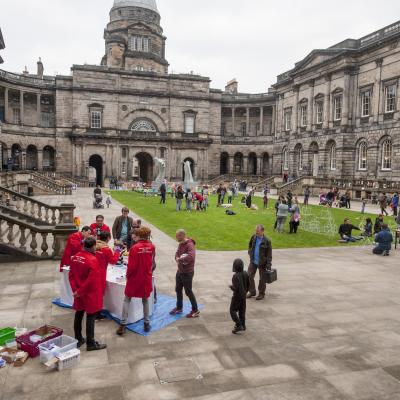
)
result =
(362, 148)
(96, 122)
(300, 159)
(319, 109)
(140, 43)
(332, 157)
(285, 159)
(303, 115)
(363, 103)
(189, 116)
(337, 98)
(287, 120)
(243, 128)
(392, 99)
(387, 147)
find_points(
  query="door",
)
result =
(315, 165)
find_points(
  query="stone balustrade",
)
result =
(51, 215)
(49, 184)
(32, 241)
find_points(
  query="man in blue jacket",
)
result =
(395, 203)
(384, 239)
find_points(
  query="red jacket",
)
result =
(73, 246)
(85, 279)
(104, 257)
(97, 229)
(188, 251)
(139, 276)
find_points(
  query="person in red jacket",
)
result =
(85, 279)
(105, 256)
(139, 278)
(99, 226)
(74, 245)
(185, 258)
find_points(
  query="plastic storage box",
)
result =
(6, 334)
(69, 359)
(56, 347)
(47, 332)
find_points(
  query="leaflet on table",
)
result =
(116, 273)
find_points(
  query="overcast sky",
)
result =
(250, 40)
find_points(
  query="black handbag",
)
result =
(272, 276)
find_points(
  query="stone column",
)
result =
(261, 121)
(6, 109)
(83, 164)
(248, 121)
(327, 102)
(21, 106)
(245, 169)
(231, 166)
(40, 160)
(295, 109)
(273, 127)
(38, 109)
(1, 157)
(310, 108)
(346, 98)
(233, 121)
(376, 96)
(260, 165)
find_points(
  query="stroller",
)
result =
(98, 201)
(323, 200)
(342, 202)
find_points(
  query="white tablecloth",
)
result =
(113, 296)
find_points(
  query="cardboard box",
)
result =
(20, 358)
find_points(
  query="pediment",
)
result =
(143, 26)
(314, 58)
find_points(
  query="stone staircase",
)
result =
(31, 229)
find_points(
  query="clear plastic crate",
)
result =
(69, 359)
(55, 347)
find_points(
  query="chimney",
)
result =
(40, 69)
(232, 87)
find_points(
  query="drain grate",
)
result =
(185, 369)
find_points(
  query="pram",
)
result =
(342, 202)
(98, 201)
(323, 200)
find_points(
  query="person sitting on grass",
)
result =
(345, 231)
(240, 286)
(367, 228)
(378, 224)
(384, 239)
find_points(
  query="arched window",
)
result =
(300, 158)
(143, 125)
(332, 157)
(387, 155)
(285, 158)
(362, 156)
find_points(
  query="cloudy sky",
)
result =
(250, 40)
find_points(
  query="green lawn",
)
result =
(214, 230)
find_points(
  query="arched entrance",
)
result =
(32, 158)
(96, 162)
(252, 164)
(266, 166)
(145, 162)
(48, 158)
(224, 164)
(192, 168)
(238, 163)
(16, 156)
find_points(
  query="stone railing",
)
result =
(26, 240)
(49, 185)
(261, 184)
(367, 184)
(68, 179)
(51, 215)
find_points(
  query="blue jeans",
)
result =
(188, 205)
(178, 204)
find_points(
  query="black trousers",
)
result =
(293, 226)
(185, 281)
(238, 311)
(90, 318)
(163, 196)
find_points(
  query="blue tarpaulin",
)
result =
(160, 318)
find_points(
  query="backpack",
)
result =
(230, 212)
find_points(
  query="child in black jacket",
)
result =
(240, 286)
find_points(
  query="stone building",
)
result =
(335, 114)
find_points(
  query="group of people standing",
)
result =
(287, 206)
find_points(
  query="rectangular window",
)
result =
(243, 128)
(189, 124)
(287, 120)
(223, 128)
(45, 119)
(95, 119)
(16, 116)
(320, 112)
(124, 152)
(337, 108)
(390, 98)
(139, 43)
(303, 116)
(123, 169)
(146, 45)
(365, 103)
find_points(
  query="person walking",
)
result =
(240, 286)
(189, 198)
(163, 192)
(295, 216)
(260, 253)
(74, 246)
(307, 193)
(383, 203)
(185, 258)
(179, 197)
(281, 216)
(85, 279)
(122, 226)
(348, 199)
(395, 203)
(139, 278)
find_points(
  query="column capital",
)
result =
(379, 62)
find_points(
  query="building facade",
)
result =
(335, 114)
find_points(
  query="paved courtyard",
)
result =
(328, 330)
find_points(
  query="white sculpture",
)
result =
(188, 178)
(160, 167)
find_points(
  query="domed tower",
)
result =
(134, 37)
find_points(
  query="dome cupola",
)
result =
(148, 4)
